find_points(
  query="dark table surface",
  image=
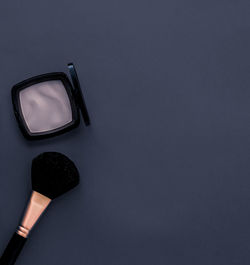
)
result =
(165, 165)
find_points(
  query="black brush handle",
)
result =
(13, 250)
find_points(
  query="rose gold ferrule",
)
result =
(22, 231)
(36, 206)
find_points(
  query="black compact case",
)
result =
(75, 99)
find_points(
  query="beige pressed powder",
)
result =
(45, 106)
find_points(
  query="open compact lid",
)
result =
(79, 98)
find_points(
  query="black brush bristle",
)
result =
(53, 174)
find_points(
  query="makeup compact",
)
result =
(49, 104)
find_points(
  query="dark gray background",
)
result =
(165, 165)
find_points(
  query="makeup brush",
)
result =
(52, 175)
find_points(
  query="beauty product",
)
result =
(48, 105)
(52, 175)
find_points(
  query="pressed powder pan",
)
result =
(48, 105)
(45, 106)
